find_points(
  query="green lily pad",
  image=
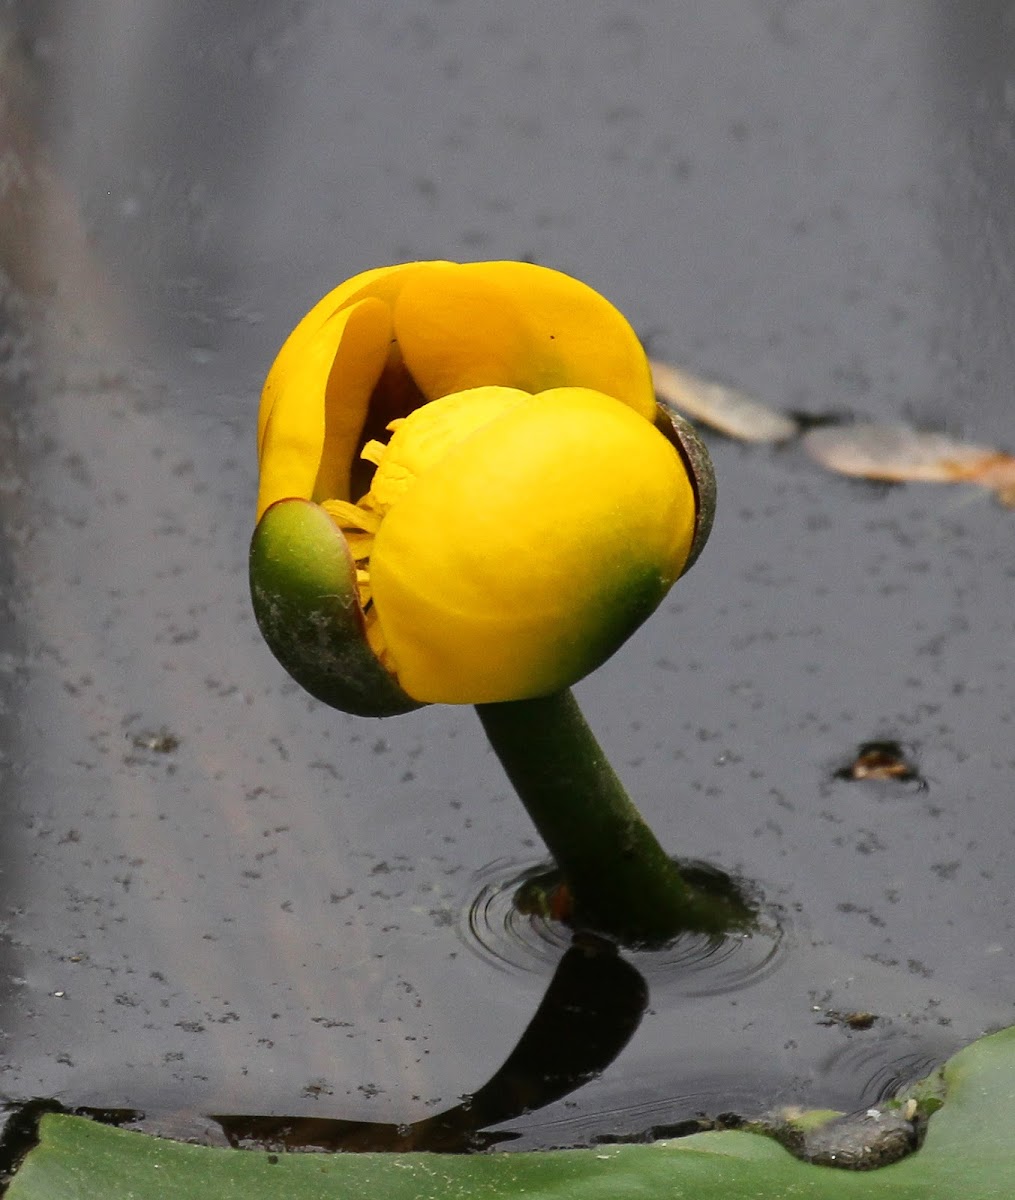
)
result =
(969, 1152)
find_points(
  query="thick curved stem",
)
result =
(622, 882)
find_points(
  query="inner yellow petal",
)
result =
(423, 438)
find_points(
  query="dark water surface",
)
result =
(217, 896)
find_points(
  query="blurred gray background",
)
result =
(217, 895)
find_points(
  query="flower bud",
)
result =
(531, 507)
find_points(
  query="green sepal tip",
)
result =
(306, 602)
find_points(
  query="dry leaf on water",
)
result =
(899, 454)
(723, 408)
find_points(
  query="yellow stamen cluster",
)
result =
(359, 522)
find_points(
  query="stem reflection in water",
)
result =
(590, 1011)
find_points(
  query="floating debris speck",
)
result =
(879, 761)
(157, 742)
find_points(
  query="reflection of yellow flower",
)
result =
(523, 519)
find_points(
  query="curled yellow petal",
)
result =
(377, 283)
(316, 398)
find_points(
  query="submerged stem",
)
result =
(622, 882)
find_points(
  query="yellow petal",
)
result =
(316, 398)
(516, 325)
(536, 546)
(426, 435)
(380, 282)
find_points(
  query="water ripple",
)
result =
(694, 965)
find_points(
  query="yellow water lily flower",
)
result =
(467, 491)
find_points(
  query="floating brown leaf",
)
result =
(723, 408)
(899, 454)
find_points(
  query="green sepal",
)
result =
(682, 434)
(303, 587)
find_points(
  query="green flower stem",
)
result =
(622, 882)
